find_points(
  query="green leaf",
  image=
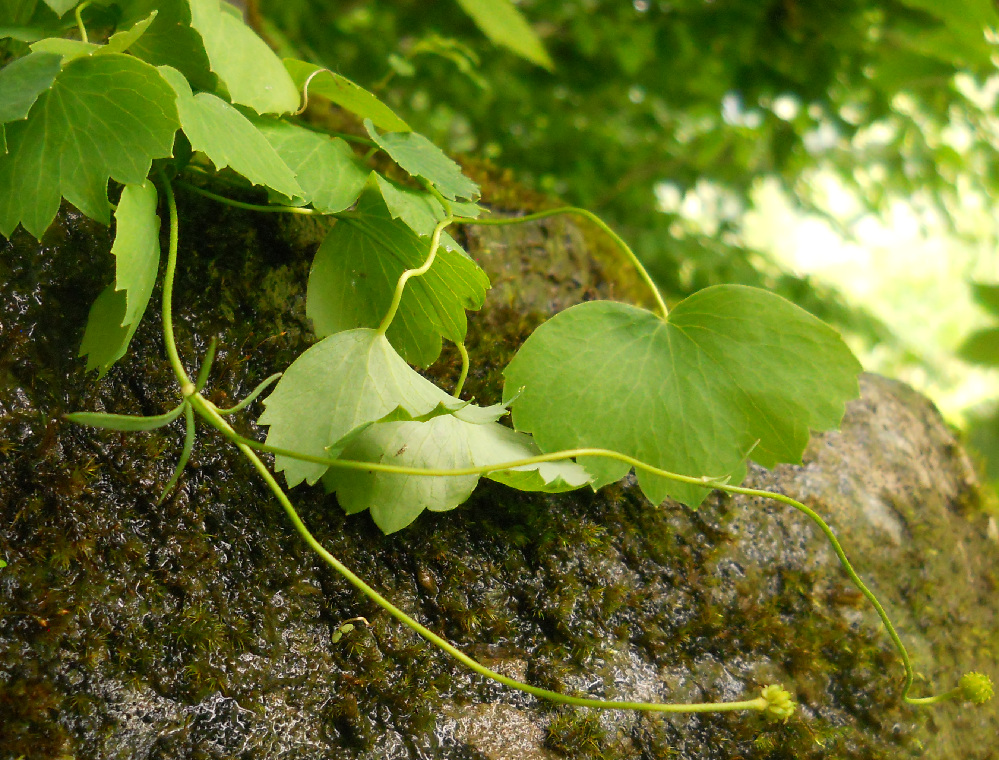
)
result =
(344, 93)
(104, 116)
(981, 347)
(22, 82)
(106, 336)
(136, 247)
(125, 422)
(119, 42)
(421, 158)
(330, 175)
(733, 370)
(445, 443)
(396, 500)
(250, 71)
(420, 210)
(170, 40)
(23, 33)
(117, 312)
(70, 49)
(355, 272)
(67, 50)
(342, 383)
(228, 138)
(987, 296)
(61, 6)
(502, 23)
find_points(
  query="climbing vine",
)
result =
(182, 94)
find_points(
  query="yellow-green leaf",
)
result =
(733, 370)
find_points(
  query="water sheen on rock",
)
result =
(204, 628)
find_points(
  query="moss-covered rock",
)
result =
(204, 628)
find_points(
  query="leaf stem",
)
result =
(186, 386)
(464, 370)
(249, 206)
(79, 20)
(703, 482)
(400, 286)
(618, 241)
(206, 410)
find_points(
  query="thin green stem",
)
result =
(207, 411)
(706, 483)
(79, 20)
(400, 286)
(206, 366)
(464, 370)
(253, 395)
(249, 206)
(623, 246)
(186, 386)
(185, 454)
(947, 695)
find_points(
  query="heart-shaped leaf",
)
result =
(732, 370)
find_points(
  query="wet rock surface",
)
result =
(204, 628)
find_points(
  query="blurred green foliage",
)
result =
(684, 91)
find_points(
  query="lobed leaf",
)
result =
(420, 210)
(355, 272)
(421, 158)
(444, 442)
(502, 23)
(345, 382)
(733, 370)
(325, 167)
(117, 312)
(104, 117)
(340, 90)
(228, 138)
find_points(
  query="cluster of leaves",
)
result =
(185, 87)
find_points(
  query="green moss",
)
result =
(576, 734)
(212, 599)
